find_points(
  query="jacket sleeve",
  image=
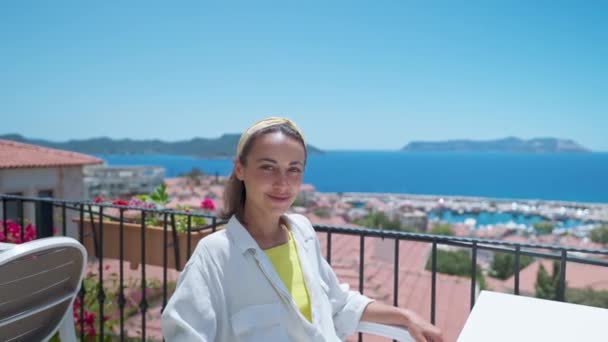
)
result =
(191, 313)
(347, 305)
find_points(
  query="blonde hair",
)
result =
(235, 193)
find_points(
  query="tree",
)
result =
(544, 227)
(442, 229)
(588, 296)
(600, 234)
(194, 175)
(503, 264)
(382, 221)
(456, 263)
(323, 212)
(547, 286)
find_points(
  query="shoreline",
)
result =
(468, 198)
(550, 210)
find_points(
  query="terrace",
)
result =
(136, 255)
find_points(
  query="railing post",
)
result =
(473, 274)
(361, 268)
(44, 219)
(517, 267)
(561, 294)
(329, 246)
(433, 280)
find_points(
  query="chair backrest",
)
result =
(38, 283)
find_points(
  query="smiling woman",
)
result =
(267, 175)
(263, 278)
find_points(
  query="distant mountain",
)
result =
(509, 144)
(224, 146)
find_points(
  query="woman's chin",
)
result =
(278, 207)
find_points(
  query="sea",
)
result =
(507, 176)
(561, 177)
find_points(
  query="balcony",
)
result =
(134, 264)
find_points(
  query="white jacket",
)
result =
(229, 291)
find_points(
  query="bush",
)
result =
(323, 212)
(456, 263)
(547, 285)
(588, 296)
(503, 264)
(442, 229)
(543, 227)
(380, 220)
(600, 234)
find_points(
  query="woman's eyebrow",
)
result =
(270, 160)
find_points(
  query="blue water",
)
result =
(568, 177)
(493, 218)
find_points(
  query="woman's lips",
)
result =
(279, 198)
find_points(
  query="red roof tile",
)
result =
(19, 155)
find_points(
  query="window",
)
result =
(45, 193)
(12, 207)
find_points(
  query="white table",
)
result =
(500, 317)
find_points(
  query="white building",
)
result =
(121, 181)
(36, 171)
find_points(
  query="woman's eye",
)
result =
(267, 167)
(295, 170)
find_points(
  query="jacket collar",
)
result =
(240, 236)
(245, 242)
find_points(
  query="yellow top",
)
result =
(286, 262)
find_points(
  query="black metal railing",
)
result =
(95, 216)
(559, 253)
(89, 223)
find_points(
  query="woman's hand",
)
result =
(420, 329)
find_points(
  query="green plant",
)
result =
(600, 234)
(323, 212)
(543, 227)
(457, 263)
(547, 285)
(380, 220)
(132, 290)
(442, 229)
(158, 199)
(503, 264)
(587, 296)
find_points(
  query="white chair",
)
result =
(39, 281)
(384, 330)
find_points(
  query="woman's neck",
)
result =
(265, 229)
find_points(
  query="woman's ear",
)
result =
(238, 169)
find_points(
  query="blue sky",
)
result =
(353, 75)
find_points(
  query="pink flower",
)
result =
(208, 204)
(13, 232)
(89, 318)
(121, 202)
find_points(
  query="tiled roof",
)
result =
(19, 155)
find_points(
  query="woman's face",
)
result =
(272, 173)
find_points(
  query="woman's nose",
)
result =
(280, 179)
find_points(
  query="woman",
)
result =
(263, 277)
